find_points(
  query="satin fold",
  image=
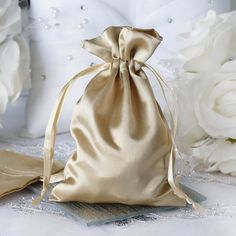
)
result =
(17, 171)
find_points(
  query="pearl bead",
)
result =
(54, 11)
(43, 77)
(83, 7)
(80, 26)
(47, 27)
(69, 57)
(85, 21)
(169, 20)
(39, 19)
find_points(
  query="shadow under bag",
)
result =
(125, 152)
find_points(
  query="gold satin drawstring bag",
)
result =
(125, 152)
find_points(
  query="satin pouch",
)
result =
(125, 152)
(17, 171)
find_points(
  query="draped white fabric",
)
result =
(60, 29)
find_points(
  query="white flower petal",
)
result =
(10, 19)
(3, 98)
(9, 62)
(220, 155)
(210, 44)
(214, 90)
(24, 63)
(201, 29)
(14, 65)
(229, 66)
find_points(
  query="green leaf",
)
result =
(232, 140)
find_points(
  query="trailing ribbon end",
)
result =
(173, 182)
(181, 194)
(51, 129)
(199, 208)
(38, 199)
(82, 44)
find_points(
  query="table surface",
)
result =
(219, 217)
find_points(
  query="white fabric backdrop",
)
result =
(50, 48)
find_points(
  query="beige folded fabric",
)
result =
(17, 171)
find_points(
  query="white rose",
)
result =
(10, 19)
(14, 54)
(217, 155)
(210, 44)
(206, 107)
(215, 104)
